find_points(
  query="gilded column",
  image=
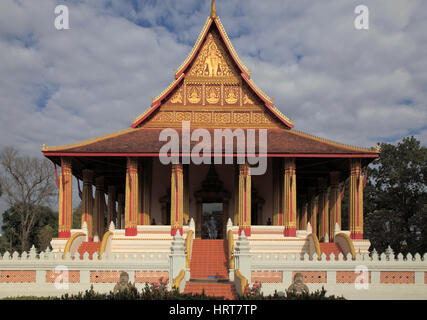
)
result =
(131, 197)
(177, 198)
(323, 208)
(245, 199)
(112, 197)
(120, 210)
(289, 198)
(87, 202)
(335, 204)
(99, 209)
(65, 199)
(356, 200)
(277, 192)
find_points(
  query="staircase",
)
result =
(209, 259)
(89, 247)
(328, 248)
(209, 269)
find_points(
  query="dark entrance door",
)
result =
(212, 220)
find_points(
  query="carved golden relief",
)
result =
(241, 117)
(212, 60)
(231, 94)
(222, 117)
(166, 116)
(248, 99)
(183, 116)
(203, 117)
(213, 94)
(177, 97)
(213, 119)
(194, 94)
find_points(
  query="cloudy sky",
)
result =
(354, 86)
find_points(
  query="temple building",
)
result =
(129, 195)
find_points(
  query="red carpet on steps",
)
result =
(328, 248)
(208, 258)
(89, 247)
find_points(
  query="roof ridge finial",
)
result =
(213, 10)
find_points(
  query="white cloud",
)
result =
(357, 87)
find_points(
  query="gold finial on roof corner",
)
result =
(44, 146)
(213, 10)
(378, 147)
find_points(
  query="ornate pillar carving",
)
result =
(335, 203)
(99, 209)
(177, 197)
(245, 199)
(65, 199)
(131, 197)
(323, 208)
(289, 198)
(356, 200)
(87, 202)
(277, 192)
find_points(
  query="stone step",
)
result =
(209, 258)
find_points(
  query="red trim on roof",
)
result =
(275, 155)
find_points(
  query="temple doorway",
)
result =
(212, 220)
(212, 206)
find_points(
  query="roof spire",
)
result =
(213, 10)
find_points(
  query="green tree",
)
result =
(11, 240)
(28, 184)
(396, 197)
